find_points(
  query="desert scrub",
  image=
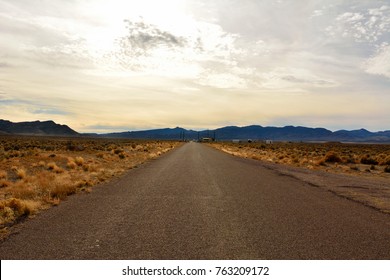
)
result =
(118, 151)
(385, 160)
(368, 160)
(316, 155)
(3, 175)
(100, 155)
(71, 164)
(53, 167)
(3, 179)
(4, 183)
(36, 179)
(62, 188)
(79, 161)
(12, 209)
(91, 167)
(21, 173)
(332, 157)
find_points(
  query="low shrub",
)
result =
(4, 183)
(368, 160)
(79, 161)
(53, 167)
(23, 190)
(71, 164)
(385, 161)
(332, 157)
(3, 174)
(13, 208)
(21, 173)
(62, 190)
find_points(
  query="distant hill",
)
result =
(253, 132)
(177, 133)
(287, 133)
(36, 128)
(257, 132)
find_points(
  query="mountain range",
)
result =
(257, 132)
(253, 132)
(36, 128)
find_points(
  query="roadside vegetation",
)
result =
(362, 159)
(38, 172)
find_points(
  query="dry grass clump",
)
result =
(62, 187)
(332, 157)
(100, 155)
(3, 175)
(91, 167)
(21, 173)
(118, 151)
(79, 161)
(4, 183)
(23, 190)
(12, 209)
(384, 160)
(53, 167)
(3, 179)
(368, 160)
(71, 164)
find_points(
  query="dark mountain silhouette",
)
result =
(290, 133)
(257, 132)
(36, 128)
(253, 132)
(177, 133)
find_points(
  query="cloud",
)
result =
(208, 42)
(379, 64)
(5, 101)
(4, 65)
(206, 53)
(49, 111)
(31, 106)
(146, 48)
(308, 80)
(293, 79)
(103, 128)
(143, 38)
(74, 55)
(366, 25)
(222, 80)
(317, 13)
(32, 37)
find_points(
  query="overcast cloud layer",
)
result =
(103, 66)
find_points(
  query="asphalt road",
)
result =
(199, 203)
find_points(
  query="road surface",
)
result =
(199, 203)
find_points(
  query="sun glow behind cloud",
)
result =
(146, 64)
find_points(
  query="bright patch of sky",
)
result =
(102, 66)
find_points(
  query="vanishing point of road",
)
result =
(199, 203)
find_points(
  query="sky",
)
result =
(105, 66)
